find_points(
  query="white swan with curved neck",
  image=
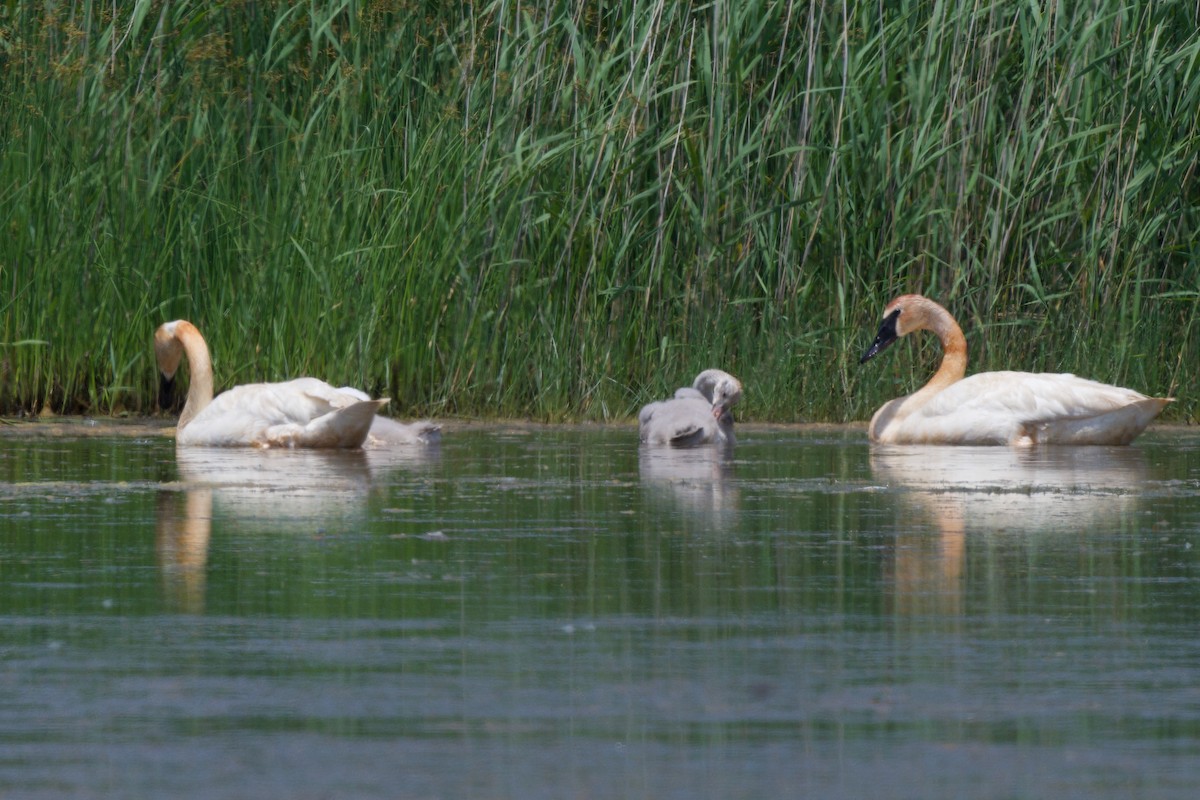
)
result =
(989, 408)
(698, 414)
(304, 412)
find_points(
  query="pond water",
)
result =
(551, 612)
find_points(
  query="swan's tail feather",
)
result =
(345, 427)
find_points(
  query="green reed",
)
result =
(563, 209)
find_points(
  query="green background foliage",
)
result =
(564, 209)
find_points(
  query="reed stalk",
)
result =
(563, 209)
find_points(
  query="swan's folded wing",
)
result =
(298, 401)
(350, 390)
(322, 394)
(1030, 397)
(1066, 396)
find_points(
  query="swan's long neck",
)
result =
(183, 334)
(954, 345)
(906, 314)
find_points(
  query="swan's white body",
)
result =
(697, 414)
(998, 408)
(304, 412)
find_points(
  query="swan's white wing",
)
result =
(1029, 397)
(299, 401)
(350, 390)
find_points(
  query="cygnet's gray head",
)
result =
(720, 388)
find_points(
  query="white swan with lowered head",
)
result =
(304, 412)
(990, 408)
(698, 414)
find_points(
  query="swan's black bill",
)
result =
(166, 392)
(886, 338)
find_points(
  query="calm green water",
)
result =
(552, 613)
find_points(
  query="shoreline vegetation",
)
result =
(559, 211)
(160, 426)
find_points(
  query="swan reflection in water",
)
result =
(278, 490)
(994, 491)
(696, 479)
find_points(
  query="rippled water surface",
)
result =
(552, 613)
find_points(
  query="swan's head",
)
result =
(905, 314)
(172, 341)
(721, 388)
(168, 349)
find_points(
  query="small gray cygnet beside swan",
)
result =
(697, 414)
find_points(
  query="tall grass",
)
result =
(560, 208)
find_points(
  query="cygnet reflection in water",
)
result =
(697, 480)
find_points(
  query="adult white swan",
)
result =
(304, 412)
(698, 414)
(1017, 408)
